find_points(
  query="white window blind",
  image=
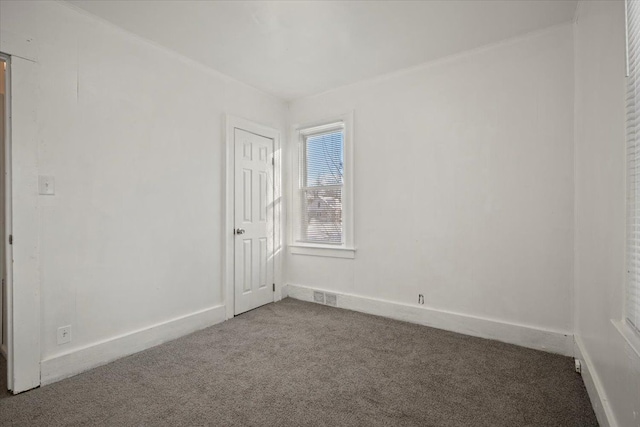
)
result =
(321, 182)
(633, 165)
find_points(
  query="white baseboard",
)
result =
(79, 360)
(284, 291)
(594, 387)
(525, 336)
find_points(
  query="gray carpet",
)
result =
(3, 377)
(301, 364)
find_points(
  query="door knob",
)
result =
(239, 231)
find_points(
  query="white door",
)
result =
(3, 237)
(3, 270)
(254, 221)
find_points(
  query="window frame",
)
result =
(627, 327)
(298, 135)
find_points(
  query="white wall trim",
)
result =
(522, 335)
(594, 387)
(348, 253)
(82, 359)
(231, 123)
(22, 213)
(6, 311)
(348, 203)
(630, 335)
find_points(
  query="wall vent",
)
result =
(331, 299)
(318, 297)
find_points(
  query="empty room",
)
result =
(320, 213)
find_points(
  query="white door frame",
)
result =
(7, 309)
(230, 124)
(22, 214)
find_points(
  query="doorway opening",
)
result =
(252, 235)
(254, 284)
(5, 307)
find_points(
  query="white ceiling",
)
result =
(294, 49)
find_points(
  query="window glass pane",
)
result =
(322, 215)
(324, 159)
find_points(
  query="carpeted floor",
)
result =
(301, 364)
(3, 377)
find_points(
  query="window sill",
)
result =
(349, 253)
(629, 334)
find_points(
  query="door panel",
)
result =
(3, 226)
(253, 215)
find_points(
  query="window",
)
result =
(633, 166)
(320, 186)
(321, 189)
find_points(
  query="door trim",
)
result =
(230, 124)
(23, 285)
(7, 309)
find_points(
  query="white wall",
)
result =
(600, 212)
(464, 168)
(464, 185)
(133, 135)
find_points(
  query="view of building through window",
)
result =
(321, 192)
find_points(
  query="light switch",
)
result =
(47, 185)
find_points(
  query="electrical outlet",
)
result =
(420, 299)
(318, 297)
(46, 185)
(64, 334)
(578, 366)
